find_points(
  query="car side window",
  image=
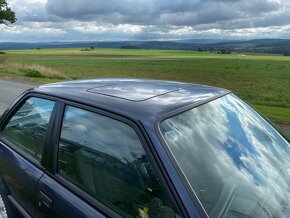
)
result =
(28, 126)
(105, 158)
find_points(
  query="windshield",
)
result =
(235, 162)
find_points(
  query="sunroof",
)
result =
(135, 91)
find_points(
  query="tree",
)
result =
(6, 14)
(225, 51)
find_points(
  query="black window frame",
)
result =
(11, 112)
(52, 153)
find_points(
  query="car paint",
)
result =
(144, 112)
(64, 202)
(24, 178)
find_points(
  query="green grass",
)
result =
(262, 80)
(275, 113)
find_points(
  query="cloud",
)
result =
(29, 10)
(61, 20)
(164, 12)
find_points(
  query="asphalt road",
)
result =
(9, 91)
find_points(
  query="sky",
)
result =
(121, 20)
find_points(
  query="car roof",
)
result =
(141, 99)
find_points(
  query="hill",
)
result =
(273, 46)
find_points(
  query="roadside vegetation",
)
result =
(31, 70)
(262, 80)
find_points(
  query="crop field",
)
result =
(262, 80)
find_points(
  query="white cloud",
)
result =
(98, 20)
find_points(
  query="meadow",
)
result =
(262, 80)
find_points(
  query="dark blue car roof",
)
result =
(137, 98)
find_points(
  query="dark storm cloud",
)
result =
(164, 12)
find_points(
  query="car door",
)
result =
(23, 137)
(100, 168)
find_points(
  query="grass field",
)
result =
(262, 80)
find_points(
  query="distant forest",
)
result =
(270, 46)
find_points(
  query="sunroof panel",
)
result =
(135, 91)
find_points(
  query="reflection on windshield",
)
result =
(236, 163)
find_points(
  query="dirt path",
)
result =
(82, 55)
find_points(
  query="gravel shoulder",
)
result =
(19, 80)
(285, 127)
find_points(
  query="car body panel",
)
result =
(64, 203)
(21, 178)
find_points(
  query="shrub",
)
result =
(32, 73)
